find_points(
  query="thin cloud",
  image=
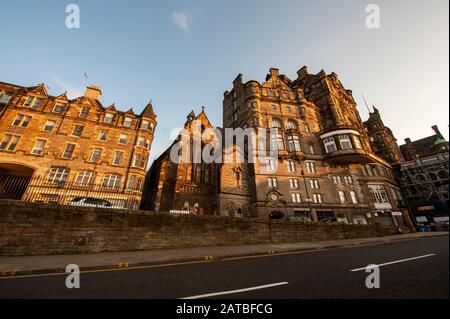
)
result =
(183, 20)
(72, 91)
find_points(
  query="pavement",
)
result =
(31, 265)
(409, 268)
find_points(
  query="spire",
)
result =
(148, 112)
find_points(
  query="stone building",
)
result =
(382, 140)
(327, 168)
(183, 185)
(424, 176)
(72, 145)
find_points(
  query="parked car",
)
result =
(92, 202)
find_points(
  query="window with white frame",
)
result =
(317, 198)
(296, 197)
(278, 141)
(123, 139)
(291, 166)
(58, 174)
(311, 149)
(132, 182)
(28, 101)
(84, 178)
(294, 183)
(49, 125)
(344, 141)
(307, 129)
(311, 166)
(108, 118)
(141, 141)
(378, 193)
(337, 179)
(291, 125)
(127, 122)
(137, 160)
(342, 197)
(294, 143)
(5, 98)
(68, 151)
(330, 144)
(354, 197)
(102, 135)
(22, 121)
(36, 103)
(59, 108)
(111, 181)
(96, 155)
(272, 182)
(145, 125)
(348, 179)
(314, 183)
(9, 142)
(117, 158)
(271, 165)
(38, 148)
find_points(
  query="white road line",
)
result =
(237, 291)
(394, 262)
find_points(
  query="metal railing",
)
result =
(61, 192)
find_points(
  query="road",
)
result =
(413, 269)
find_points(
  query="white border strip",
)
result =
(393, 262)
(236, 291)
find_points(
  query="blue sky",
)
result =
(185, 54)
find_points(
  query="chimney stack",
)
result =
(93, 92)
(436, 130)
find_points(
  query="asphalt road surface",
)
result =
(408, 269)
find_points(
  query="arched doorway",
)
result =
(14, 180)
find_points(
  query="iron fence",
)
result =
(63, 192)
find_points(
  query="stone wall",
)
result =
(37, 229)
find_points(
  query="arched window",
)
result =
(231, 209)
(276, 123)
(291, 125)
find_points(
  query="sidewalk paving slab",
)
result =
(31, 265)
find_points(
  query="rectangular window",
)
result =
(344, 141)
(37, 102)
(38, 148)
(141, 141)
(118, 158)
(342, 197)
(378, 193)
(294, 143)
(108, 118)
(103, 135)
(49, 125)
(68, 152)
(84, 178)
(9, 142)
(291, 167)
(317, 198)
(145, 125)
(84, 112)
(22, 121)
(311, 167)
(357, 141)
(294, 183)
(271, 165)
(132, 182)
(5, 98)
(59, 108)
(348, 179)
(272, 182)
(307, 129)
(311, 149)
(337, 179)
(288, 109)
(78, 130)
(330, 144)
(296, 197)
(137, 160)
(58, 174)
(123, 139)
(353, 197)
(111, 181)
(96, 155)
(28, 101)
(127, 122)
(314, 184)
